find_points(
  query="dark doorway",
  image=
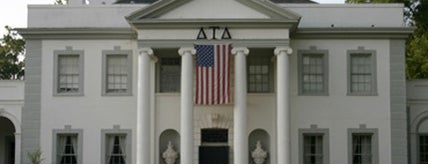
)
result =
(214, 148)
(7, 141)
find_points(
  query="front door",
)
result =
(213, 154)
(214, 148)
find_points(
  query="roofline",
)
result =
(353, 33)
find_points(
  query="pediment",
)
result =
(193, 11)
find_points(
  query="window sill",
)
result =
(363, 94)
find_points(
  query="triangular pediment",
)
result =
(203, 10)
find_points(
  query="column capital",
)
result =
(244, 50)
(145, 50)
(279, 50)
(184, 50)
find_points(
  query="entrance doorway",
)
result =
(7, 141)
(214, 148)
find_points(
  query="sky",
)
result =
(13, 13)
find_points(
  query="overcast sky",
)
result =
(14, 12)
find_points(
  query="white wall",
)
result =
(338, 112)
(348, 15)
(91, 112)
(313, 15)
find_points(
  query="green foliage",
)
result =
(59, 2)
(11, 48)
(417, 55)
(35, 157)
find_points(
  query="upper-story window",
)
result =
(260, 71)
(313, 72)
(362, 72)
(168, 70)
(117, 72)
(68, 69)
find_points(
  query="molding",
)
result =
(197, 23)
(353, 33)
(77, 33)
(265, 43)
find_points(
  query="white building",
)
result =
(115, 82)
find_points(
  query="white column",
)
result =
(143, 106)
(283, 105)
(17, 148)
(186, 119)
(240, 139)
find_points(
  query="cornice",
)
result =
(197, 23)
(262, 43)
(77, 33)
(353, 33)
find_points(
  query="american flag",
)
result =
(212, 74)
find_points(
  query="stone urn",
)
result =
(258, 154)
(170, 155)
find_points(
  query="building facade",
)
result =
(309, 83)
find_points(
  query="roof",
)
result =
(152, 1)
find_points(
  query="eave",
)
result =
(353, 33)
(77, 33)
(197, 23)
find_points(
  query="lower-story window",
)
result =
(423, 149)
(116, 149)
(312, 149)
(67, 149)
(362, 149)
(116, 145)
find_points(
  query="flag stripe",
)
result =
(213, 74)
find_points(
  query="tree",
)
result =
(59, 2)
(11, 49)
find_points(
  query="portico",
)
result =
(172, 25)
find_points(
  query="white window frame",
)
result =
(115, 52)
(68, 51)
(314, 130)
(361, 51)
(374, 141)
(105, 133)
(56, 133)
(313, 51)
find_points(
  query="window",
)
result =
(313, 72)
(170, 74)
(68, 67)
(313, 146)
(312, 149)
(423, 149)
(362, 72)
(116, 146)
(363, 145)
(67, 150)
(361, 149)
(117, 72)
(116, 149)
(68, 146)
(260, 71)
